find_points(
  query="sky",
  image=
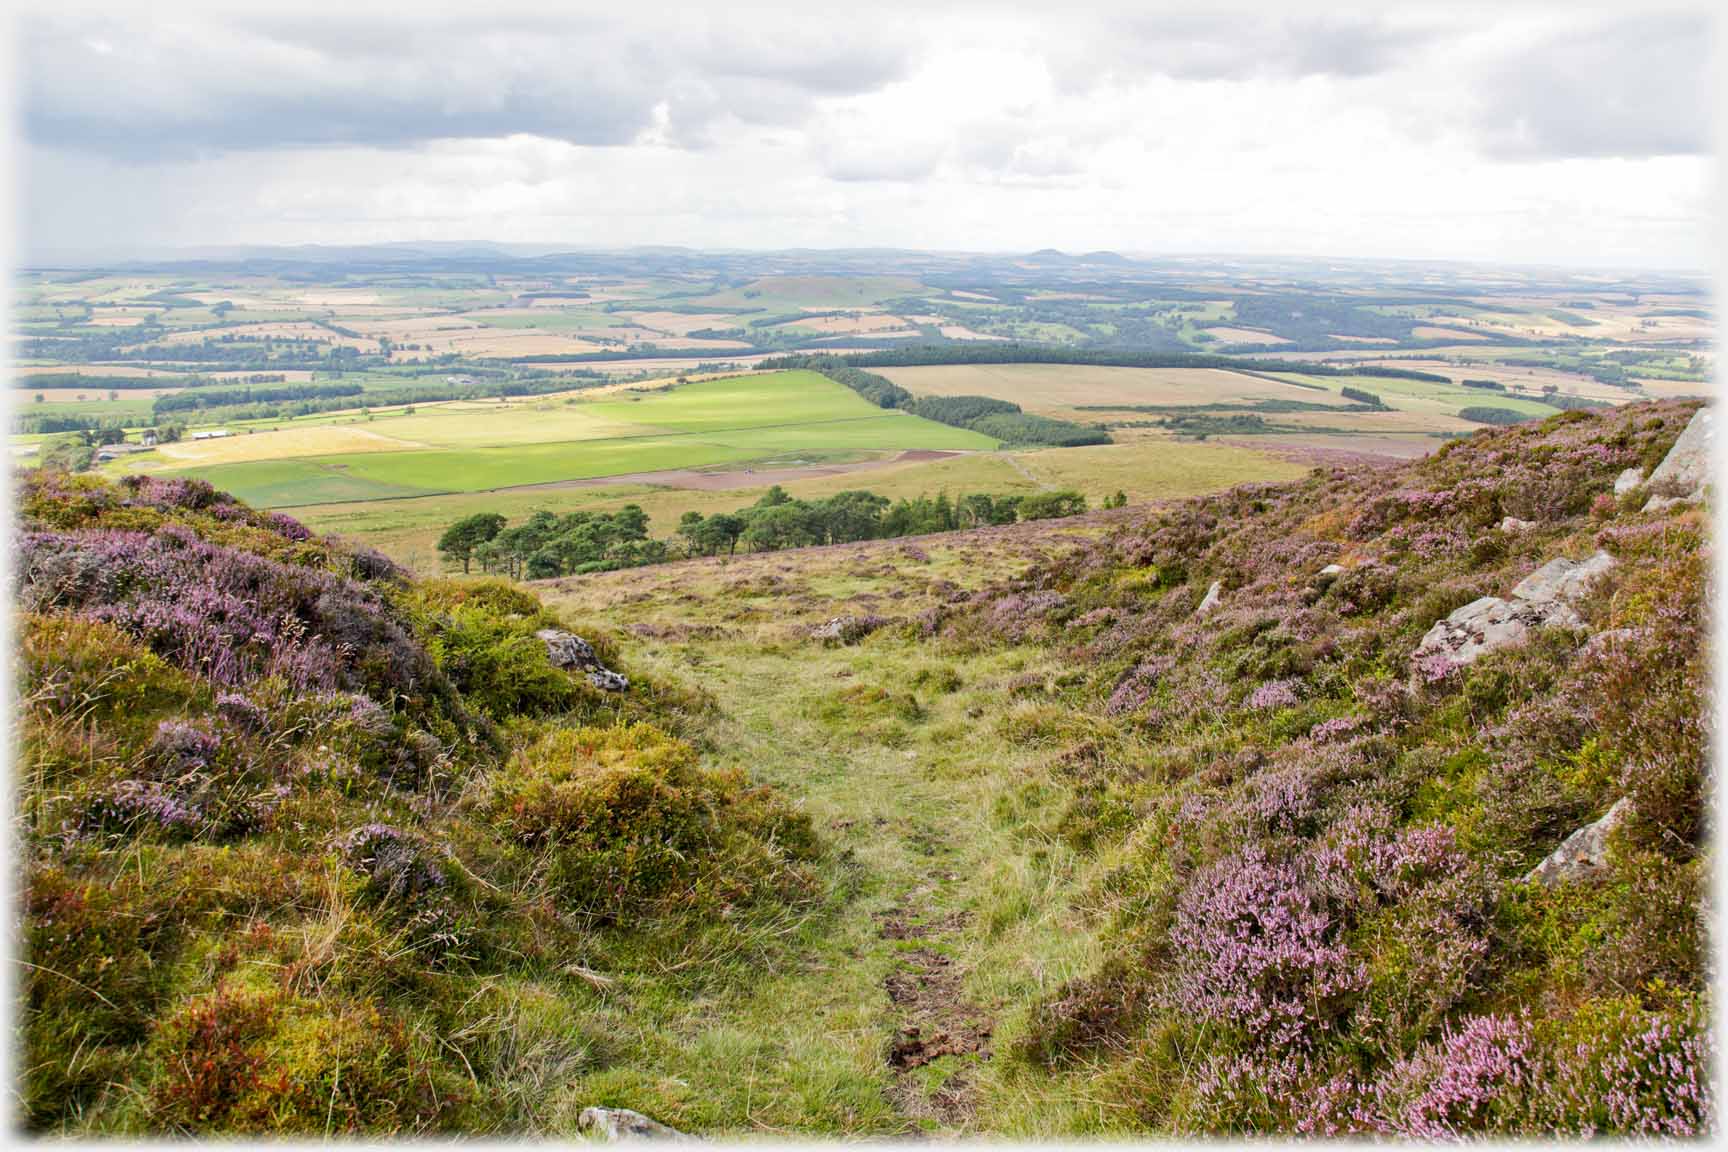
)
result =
(1507, 133)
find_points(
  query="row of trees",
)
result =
(546, 545)
(1001, 419)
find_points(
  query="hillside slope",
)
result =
(1242, 861)
(311, 848)
(1146, 821)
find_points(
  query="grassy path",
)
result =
(891, 1008)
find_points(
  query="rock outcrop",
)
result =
(1583, 853)
(616, 1124)
(1210, 600)
(1542, 599)
(1685, 471)
(569, 651)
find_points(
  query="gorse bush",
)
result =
(283, 812)
(1318, 914)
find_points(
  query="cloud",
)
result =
(1240, 47)
(157, 89)
(1629, 89)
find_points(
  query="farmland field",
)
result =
(467, 448)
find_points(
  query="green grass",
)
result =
(698, 425)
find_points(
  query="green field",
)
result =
(469, 448)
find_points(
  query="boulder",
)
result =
(1542, 599)
(1659, 503)
(1562, 580)
(615, 1124)
(1583, 853)
(1478, 628)
(846, 629)
(1513, 524)
(566, 649)
(572, 653)
(1332, 570)
(1210, 600)
(1686, 468)
(1628, 480)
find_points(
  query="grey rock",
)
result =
(1583, 853)
(1628, 480)
(1659, 503)
(1513, 524)
(618, 1124)
(845, 629)
(607, 680)
(1562, 580)
(1210, 600)
(566, 649)
(569, 651)
(1542, 599)
(1476, 629)
(1686, 468)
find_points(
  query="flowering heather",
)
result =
(393, 862)
(1333, 729)
(184, 747)
(1018, 614)
(241, 712)
(1274, 694)
(133, 801)
(1256, 951)
(230, 615)
(1135, 689)
(1474, 1080)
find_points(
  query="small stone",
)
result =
(618, 1124)
(1210, 600)
(1513, 524)
(1583, 853)
(1628, 480)
(1332, 570)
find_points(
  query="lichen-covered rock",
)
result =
(566, 649)
(1210, 600)
(1583, 853)
(1542, 599)
(569, 651)
(614, 1124)
(1478, 628)
(1628, 480)
(1561, 579)
(607, 680)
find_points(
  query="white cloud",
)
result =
(961, 129)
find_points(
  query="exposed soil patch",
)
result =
(936, 1021)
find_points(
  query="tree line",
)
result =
(999, 419)
(546, 545)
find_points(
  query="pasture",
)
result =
(1059, 389)
(467, 447)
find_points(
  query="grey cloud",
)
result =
(1217, 47)
(153, 90)
(1635, 88)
